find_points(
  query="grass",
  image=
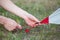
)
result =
(40, 9)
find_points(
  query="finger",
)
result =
(33, 18)
(9, 27)
(19, 26)
(40, 24)
(30, 25)
(35, 25)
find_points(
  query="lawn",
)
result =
(40, 9)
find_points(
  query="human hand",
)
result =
(32, 21)
(10, 25)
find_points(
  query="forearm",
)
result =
(11, 7)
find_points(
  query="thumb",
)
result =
(19, 26)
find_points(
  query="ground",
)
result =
(40, 9)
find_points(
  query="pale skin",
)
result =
(10, 24)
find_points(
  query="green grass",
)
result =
(40, 9)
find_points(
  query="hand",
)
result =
(10, 25)
(31, 20)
